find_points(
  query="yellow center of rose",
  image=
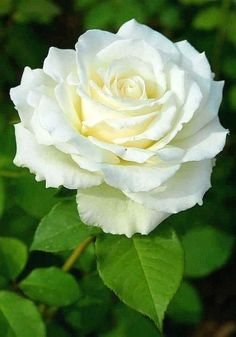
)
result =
(120, 104)
(129, 88)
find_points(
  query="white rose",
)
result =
(128, 119)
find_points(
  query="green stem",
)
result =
(49, 313)
(76, 253)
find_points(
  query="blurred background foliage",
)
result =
(205, 305)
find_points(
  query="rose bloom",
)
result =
(130, 120)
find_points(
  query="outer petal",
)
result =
(69, 101)
(49, 123)
(52, 127)
(204, 144)
(115, 213)
(31, 79)
(132, 178)
(185, 189)
(129, 48)
(60, 63)
(134, 30)
(192, 103)
(206, 112)
(132, 154)
(87, 47)
(196, 64)
(50, 164)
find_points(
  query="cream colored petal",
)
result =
(101, 107)
(159, 126)
(192, 103)
(110, 131)
(206, 112)
(131, 48)
(50, 164)
(49, 123)
(31, 80)
(137, 178)
(132, 154)
(59, 63)
(52, 127)
(196, 64)
(88, 45)
(69, 102)
(169, 153)
(184, 190)
(111, 210)
(204, 144)
(134, 30)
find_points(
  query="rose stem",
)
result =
(76, 254)
(49, 313)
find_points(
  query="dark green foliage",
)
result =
(51, 286)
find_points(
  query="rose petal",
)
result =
(131, 48)
(134, 178)
(88, 45)
(31, 79)
(134, 30)
(50, 164)
(115, 213)
(192, 103)
(137, 155)
(196, 64)
(204, 144)
(185, 189)
(206, 112)
(59, 63)
(69, 102)
(158, 128)
(52, 127)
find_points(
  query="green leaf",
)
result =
(186, 306)
(13, 257)
(61, 229)
(3, 283)
(42, 11)
(33, 197)
(20, 317)
(206, 249)
(130, 323)
(207, 19)
(51, 286)
(22, 226)
(55, 330)
(144, 271)
(2, 196)
(94, 303)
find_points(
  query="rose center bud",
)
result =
(133, 88)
